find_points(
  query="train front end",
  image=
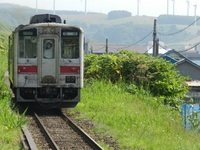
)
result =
(46, 63)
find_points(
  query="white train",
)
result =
(45, 62)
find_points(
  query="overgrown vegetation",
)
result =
(134, 121)
(10, 120)
(137, 71)
(124, 95)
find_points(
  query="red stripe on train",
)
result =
(69, 69)
(27, 69)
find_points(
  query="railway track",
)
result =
(56, 131)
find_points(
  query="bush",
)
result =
(155, 74)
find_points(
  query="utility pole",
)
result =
(155, 40)
(106, 45)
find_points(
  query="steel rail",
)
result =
(27, 140)
(52, 143)
(77, 129)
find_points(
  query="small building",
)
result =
(185, 66)
(188, 68)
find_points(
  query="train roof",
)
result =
(39, 25)
(42, 18)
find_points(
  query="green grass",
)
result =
(10, 120)
(134, 121)
(10, 138)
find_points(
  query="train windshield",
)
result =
(48, 48)
(27, 44)
(70, 47)
(70, 44)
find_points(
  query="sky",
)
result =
(146, 7)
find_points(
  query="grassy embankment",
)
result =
(134, 121)
(10, 120)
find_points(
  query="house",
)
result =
(186, 67)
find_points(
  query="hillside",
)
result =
(125, 31)
(4, 33)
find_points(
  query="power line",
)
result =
(126, 46)
(137, 41)
(160, 34)
(169, 34)
(190, 48)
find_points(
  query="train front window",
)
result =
(27, 44)
(70, 47)
(48, 48)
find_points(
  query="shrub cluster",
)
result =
(154, 74)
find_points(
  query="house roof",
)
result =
(188, 61)
(172, 60)
(176, 53)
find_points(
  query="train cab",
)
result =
(46, 62)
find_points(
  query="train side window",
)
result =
(70, 48)
(27, 47)
(48, 48)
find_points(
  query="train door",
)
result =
(48, 68)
